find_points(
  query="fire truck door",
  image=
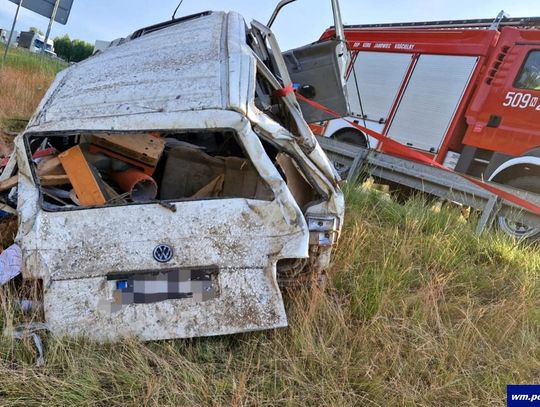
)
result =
(504, 116)
(374, 82)
(430, 100)
(316, 70)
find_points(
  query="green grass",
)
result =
(23, 59)
(419, 312)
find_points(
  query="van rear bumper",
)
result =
(225, 301)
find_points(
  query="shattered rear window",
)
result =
(103, 169)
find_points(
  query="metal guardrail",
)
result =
(431, 180)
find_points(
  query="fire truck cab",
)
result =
(466, 93)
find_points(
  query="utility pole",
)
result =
(11, 32)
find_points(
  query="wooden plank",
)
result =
(50, 165)
(60, 178)
(140, 147)
(85, 183)
(46, 179)
(54, 180)
(9, 183)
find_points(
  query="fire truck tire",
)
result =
(350, 136)
(515, 229)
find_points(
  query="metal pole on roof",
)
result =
(344, 55)
(53, 16)
(278, 8)
(338, 21)
(11, 32)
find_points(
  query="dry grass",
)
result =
(419, 312)
(21, 91)
(23, 82)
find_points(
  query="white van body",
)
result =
(197, 74)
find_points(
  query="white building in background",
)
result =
(4, 36)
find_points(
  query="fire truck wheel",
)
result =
(519, 230)
(350, 136)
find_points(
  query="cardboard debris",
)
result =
(188, 171)
(212, 189)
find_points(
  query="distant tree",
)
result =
(72, 50)
(80, 50)
(63, 47)
(36, 30)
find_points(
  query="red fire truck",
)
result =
(466, 93)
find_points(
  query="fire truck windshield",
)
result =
(529, 76)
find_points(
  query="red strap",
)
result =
(282, 92)
(395, 148)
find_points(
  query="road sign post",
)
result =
(19, 5)
(53, 16)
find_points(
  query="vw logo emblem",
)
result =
(163, 253)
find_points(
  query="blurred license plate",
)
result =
(152, 286)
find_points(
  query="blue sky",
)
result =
(300, 23)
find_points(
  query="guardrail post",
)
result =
(353, 169)
(488, 214)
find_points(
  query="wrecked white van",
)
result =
(166, 185)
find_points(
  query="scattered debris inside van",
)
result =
(87, 170)
(98, 169)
